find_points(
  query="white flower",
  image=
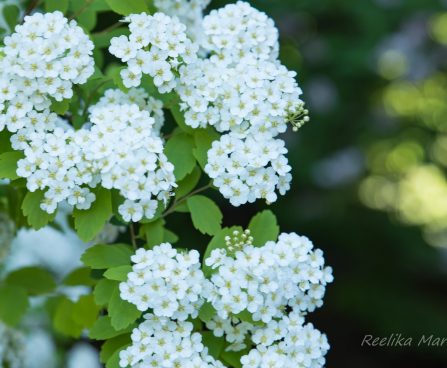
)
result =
(189, 12)
(266, 280)
(166, 281)
(241, 86)
(119, 149)
(45, 57)
(248, 169)
(161, 342)
(157, 46)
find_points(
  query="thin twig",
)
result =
(108, 29)
(81, 10)
(33, 5)
(133, 238)
(90, 97)
(186, 197)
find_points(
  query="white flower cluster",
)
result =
(54, 161)
(45, 56)
(247, 96)
(137, 96)
(243, 91)
(267, 280)
(250, 168)
(189, 12)
(157, 46)
(276, 284)
(260, 294)
(287, 343)
(119, 149)
(233, 329)
(162, 342)
(127, 156)
(168, 282)
(237, 29)
(12, 353)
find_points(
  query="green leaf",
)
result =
(246, 316)
(203, 139)
(13, 304)
(87, 19)
(169, 99)
(264, 227)
(205, 214)
(218, 241)
(214, 344)
(85, 311)
(102, 39)
(121, 312)
(36, 217)
(103, 330)
(207, 312)
(112, 345)
(60, 107)
(128, 6)
(100, 6)
(118, 273)
(113, 361)
(233, 358)
(151, 6)
(89, 223)
(53, 5)
(115, 74)
(182, 207)
(63, 320)
(79, 276)
(33, 279)
(8, 164)
(179, 117)
(5, 143)
(11, 15)
(154, 232)
(187, 184)
(179, 152)
(103, 291)
(170, 237)
(104, 256)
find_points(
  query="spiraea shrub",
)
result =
(121, 126)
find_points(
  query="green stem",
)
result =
(82, 9)
(108, 29)
(133, 237)
(33, 5)
(185, 198)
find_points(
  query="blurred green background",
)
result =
(369, 169)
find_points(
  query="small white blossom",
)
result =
(161, 342)
(166, 281)
(44, 58)
(267, 280)
(119, 148)
(248, 169)
(157, 46)
(189, 12)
